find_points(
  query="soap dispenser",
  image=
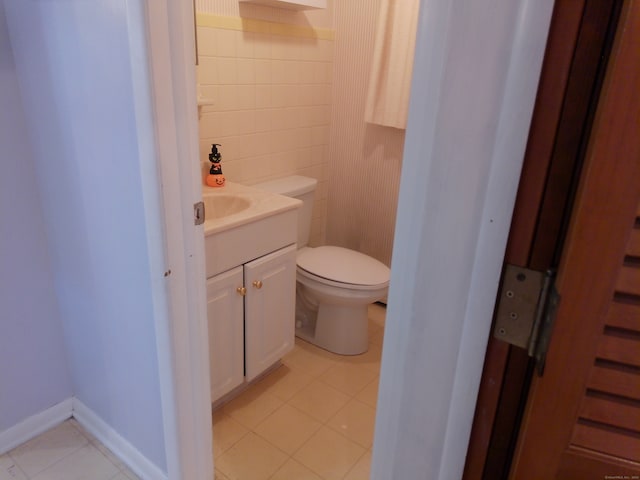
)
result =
(215, 177)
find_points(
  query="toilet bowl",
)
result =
(334, 289)
(334, 285)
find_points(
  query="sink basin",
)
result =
(243, 223)
(223, 205)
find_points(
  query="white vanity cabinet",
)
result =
(225, 314)
(251, 314)
(269, 309)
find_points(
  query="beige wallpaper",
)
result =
(290, 104)
(364, 159)
(271, 97)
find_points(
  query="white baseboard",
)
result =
(127, 453)
(35, 425)
(72, 407)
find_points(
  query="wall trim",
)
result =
(118, 445)
(39, 423)
(262, 26)
(35, 425)
(181, 336)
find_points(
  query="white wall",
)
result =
(34, 372)
(475, 79)
(73, 64)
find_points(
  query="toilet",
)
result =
(334, 285)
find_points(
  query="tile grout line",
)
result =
(325, 423)
(50, 465)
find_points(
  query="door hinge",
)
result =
(198, 213)
(527, 304)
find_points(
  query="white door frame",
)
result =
(475, 79)
(183, 350)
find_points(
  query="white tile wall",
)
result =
(272, 107)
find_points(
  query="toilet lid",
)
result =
(343, 265)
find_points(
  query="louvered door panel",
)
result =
(616, 380)
(610, 410)
(629, 280)
(634, 243)
(623, 315)
(599, 438)
(620, 350)
(582, 420)
(609, 417)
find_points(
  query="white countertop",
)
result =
(263, 204)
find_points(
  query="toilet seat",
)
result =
(343, 268)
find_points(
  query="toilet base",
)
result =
(339, 329)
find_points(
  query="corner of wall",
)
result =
(35, 425)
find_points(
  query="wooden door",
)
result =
(579, 45)
(582, 419)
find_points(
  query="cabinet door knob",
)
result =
(242, 291)
(257, 283)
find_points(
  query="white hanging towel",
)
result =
(392, 66)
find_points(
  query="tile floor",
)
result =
(310, 419)
(66, 452)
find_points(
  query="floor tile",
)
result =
(294, 470)
(369, 394)
(109, 455)
(362, 469)
(287, 428)
(87, 463)
(370, 359)
(377, 314)
(317, 351)
(305, 360)
(252, 406)
(218, 475)
(376, 338)
(9, 470)
(226, 432)
(373, 327)
(283, 414)
(356, 421)
(125, 471)
(284, 382)
(319, 400)
(329, 454)
(76, 424)
(252, 458)
(348, 378)
(48, 448)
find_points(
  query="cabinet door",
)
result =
(269, 309)
(225, 319)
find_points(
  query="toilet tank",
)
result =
(299, 187)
